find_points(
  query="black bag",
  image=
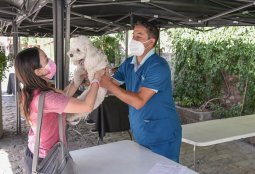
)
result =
(58, 160)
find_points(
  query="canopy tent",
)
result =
(97, 17)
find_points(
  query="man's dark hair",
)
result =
(152, 30)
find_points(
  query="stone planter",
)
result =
(190, 116)
(1, 113)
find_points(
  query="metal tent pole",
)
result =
(15, 51)
(126, 43)
(58, 32)
(67, 43)
(159, 53)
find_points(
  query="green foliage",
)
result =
(200, 58)
(222, 112)
(3, 65)
(110, 46)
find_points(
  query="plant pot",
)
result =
(188, 115)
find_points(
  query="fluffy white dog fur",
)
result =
(84, 55)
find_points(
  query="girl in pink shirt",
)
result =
(34, 69)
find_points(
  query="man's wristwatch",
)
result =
(95, 81)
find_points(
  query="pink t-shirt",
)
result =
(54, 104)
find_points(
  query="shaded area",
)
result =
(97, 17)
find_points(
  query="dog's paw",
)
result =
(74, 119)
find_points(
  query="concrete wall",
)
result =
(190, 116)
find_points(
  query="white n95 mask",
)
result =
(136, 48)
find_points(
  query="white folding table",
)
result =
(218, 131)
(123, 157)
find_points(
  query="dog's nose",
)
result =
(71, 55)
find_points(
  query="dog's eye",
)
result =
(78, 49)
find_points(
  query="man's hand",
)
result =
(106, 80)
(79, 75)
(99, 74)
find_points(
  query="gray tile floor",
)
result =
(237, 157)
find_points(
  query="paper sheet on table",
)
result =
(167, 169)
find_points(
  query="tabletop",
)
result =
(125, 157)
(218, 131)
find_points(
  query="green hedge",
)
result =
(200, 58)
(3, 65)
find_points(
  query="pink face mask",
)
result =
(51, 67)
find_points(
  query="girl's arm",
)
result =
(70, 89)
(80, 106)
(79, 75)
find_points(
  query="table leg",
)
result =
(196, 162)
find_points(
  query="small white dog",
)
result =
(85, 56)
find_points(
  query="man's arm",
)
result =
(137, 100)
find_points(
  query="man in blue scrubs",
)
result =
(152, 114)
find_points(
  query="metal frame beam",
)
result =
(33, 7)
(220, 3)
(22, 17)
(169, 11)
(173, 3)
(240, 22)
(97, 20)
(9, 12)
(35, 25)
(83, 28)
(118, 20)
(104, 4)
(226, 12)
(35, 15)
(169, 19)
(3, 19)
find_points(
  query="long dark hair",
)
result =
(25, 63)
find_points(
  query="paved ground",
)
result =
(236, 157)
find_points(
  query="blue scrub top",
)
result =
(157, 121)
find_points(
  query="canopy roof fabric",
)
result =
(97, 17)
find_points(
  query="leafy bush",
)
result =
(222, 112)
(3, 65)
(110, 46)
(201, 58)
